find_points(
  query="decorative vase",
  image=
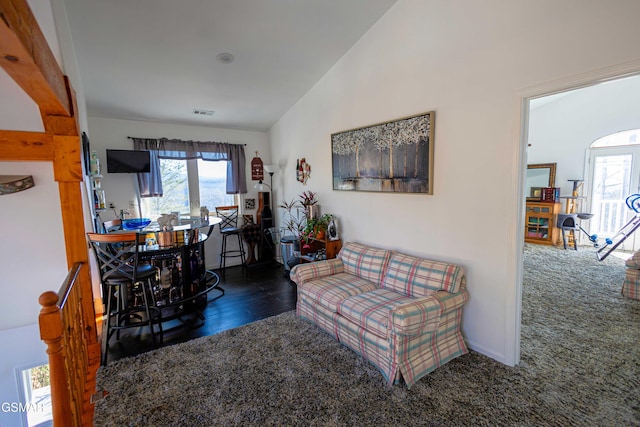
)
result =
(312, 211)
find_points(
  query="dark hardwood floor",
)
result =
(254, 294)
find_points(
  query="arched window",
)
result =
(627, 137)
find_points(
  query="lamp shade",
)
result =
(269, 168)
(260, 186)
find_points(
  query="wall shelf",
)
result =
(10, 184)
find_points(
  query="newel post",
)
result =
(50, 320)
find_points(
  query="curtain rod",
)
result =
(132, 137)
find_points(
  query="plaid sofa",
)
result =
(631, 284)
(401, 313)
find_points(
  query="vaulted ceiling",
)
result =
(155, 60)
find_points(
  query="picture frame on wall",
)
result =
(391, 157)
(536, 193)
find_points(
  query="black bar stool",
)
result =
(126, 287)
(229, 228)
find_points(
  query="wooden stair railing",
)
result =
(73, 359)
(67, 319)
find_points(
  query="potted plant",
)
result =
(299, 221)
(316, 228)
(294, 219)
(308, 201)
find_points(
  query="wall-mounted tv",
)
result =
(128, 161)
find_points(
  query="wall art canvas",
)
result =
(394, 157)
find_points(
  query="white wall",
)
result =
(32, 252)
(470, 62)
(120, 188)
(27, 351)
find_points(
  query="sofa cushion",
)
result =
(329, 291)
(420, 277)
(371, 310)
(364, 261)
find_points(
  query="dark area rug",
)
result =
(580, 366)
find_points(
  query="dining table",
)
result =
(180, 250)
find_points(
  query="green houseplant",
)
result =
(298, 221)
(294, 219)
(316, 228)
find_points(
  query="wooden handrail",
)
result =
(72, 362)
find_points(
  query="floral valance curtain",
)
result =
(182, 150)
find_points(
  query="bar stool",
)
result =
(126, 286)
(229, 228)
(208, 275)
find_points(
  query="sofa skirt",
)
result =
(631, 284)
(398, 358)
(325, 319)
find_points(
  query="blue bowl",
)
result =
(135, 223)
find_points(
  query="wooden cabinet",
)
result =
(540, 223)
(332, 247)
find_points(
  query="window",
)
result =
(614, 174)
(629, 137)
(189, 184)
(36, 397)
(212, 182)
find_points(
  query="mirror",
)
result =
(538, 176)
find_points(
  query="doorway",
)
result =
(615, 107)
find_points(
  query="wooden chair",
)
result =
(113, 225)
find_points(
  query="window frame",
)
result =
(193, 185)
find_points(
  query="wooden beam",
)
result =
(76, 247)
(26, 146)
(63, 125)
(67, 163)
(27, 58)
(73, 222)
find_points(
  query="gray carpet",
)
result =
(580, 366)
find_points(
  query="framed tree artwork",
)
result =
(391, 157)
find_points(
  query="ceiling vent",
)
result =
(199, 112)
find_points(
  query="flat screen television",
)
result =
(128, 161)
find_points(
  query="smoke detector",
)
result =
(225, 58)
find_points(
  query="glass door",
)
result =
(614, 175)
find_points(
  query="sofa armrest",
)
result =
(419, 316)
(423, 314)
(302, 273)
(451, 301)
